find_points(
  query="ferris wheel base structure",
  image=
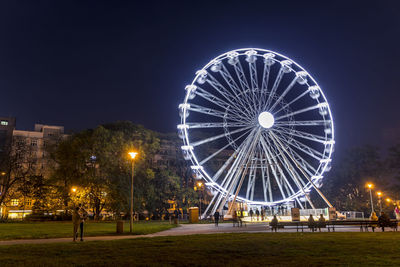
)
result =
(258, 129)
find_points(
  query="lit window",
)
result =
(14, 202)
(4, 123)
(34, 142)
(28, 202)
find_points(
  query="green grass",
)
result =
(283, 249)
(22, 230)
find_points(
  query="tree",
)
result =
(96, 161)
(345, 185)
(17, 163)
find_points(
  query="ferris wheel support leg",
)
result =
(256, 139)
(234, 176)
(305, 175)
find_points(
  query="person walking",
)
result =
(76, 219)
(311, 223)
(83, 215)
(216, 217)
(251, 214)
(274, 224)
(235, 218)
(258, 214)
(241, 216)
(262, 214)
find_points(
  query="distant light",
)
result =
(379, 193)
(266, 120)
(73, 189)
(370, 186)
(388, 200)
(132, 154)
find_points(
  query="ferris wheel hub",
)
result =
(266, 119)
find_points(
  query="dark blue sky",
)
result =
(80, 64)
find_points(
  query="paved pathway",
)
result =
(183, 229)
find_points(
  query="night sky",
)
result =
(81, 64)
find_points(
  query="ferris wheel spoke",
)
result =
(215, 113)
(265, 79)
(309, 180)
(302, 123)
(237, 156)
(291, 102)
(302, 147)
(277, 153)
(216, 100)
(234, 87)
(222, 149)
(249, 159)
(202, 125)
(216, 137)
(298, 112)
(304, 135)
(266, 183)
(275, 87)
(222, 91)
(268, 155)
(224, 166)
(250, 181)
(243, 83)
(287, 90)
(254, 83)
(287, 164)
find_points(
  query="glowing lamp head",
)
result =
(379, 194)
(132, 154)
(266, 120)
(369, 186)
(388, 200)
(73, 189)
(199, 184)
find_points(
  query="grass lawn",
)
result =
(24, 230)
(283, 249)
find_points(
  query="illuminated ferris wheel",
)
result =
(257, 128)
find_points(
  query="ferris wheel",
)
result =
(257, 128)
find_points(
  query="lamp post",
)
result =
(132, 155)
(380, 200)
(200, 186)
(370, 193)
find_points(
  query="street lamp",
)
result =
(380, 200)
(73, 189)
(370, 193)
(388, 200)
(200, 186)
(132, 155)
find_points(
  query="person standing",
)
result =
(83, 216)
(76, 219)
(216, 217)
(251, 214)
(258, 214)
(235, 218)
(274, 224)
(262, 214)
